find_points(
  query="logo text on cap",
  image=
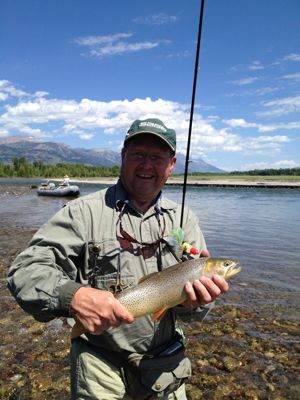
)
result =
(152, 125)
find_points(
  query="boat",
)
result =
(50, 189)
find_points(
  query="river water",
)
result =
(260, 227)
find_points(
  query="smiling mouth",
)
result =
(143, 176)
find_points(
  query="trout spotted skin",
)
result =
(159, 291)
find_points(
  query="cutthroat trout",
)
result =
(157, 292)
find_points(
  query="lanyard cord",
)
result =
(131, 239)
(159, 257)
(192, 110)
(161, 231)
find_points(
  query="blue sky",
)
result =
(80, 71)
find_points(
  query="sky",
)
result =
(79, 72)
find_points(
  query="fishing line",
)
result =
(192, 111)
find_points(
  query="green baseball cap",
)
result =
(152, 126)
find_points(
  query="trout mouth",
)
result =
(233, 269)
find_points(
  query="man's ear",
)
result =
(173, 162)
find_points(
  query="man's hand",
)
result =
(204, 253)
(97, 310)
(204, 290)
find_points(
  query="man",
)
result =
(66, 181)
(106, 242)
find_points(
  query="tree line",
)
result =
(20, 168)
(269, 171)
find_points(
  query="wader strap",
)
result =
(117, 358)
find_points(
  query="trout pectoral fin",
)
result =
(158, 314)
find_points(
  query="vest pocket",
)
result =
(109, 266)
(113, 282)
(146, 376)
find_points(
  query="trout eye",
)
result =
(227, 263)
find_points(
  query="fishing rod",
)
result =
(192, 111)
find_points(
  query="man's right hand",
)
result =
(97, 310)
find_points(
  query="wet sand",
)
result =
(237, 352)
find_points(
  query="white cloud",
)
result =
(3, 96)
(35, 132)
(3, 132)
(272, 139)
(262, 91)
(102, 46)
(292, 57)
(8, 90)
(236, 68)
(87, 119)
(86, 136)
(100, 40)
(40, 94)
(280, 126)
(264, 144)
(294, 77)
(122, 47)
(179, 54)
(256, 65)
(157, 19)
(279, 107)
(245, 81)
(241, 123)
(265, 90)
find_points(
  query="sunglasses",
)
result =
(126, 240)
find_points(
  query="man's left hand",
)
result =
(204, 290)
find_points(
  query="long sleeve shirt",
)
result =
(101, 240)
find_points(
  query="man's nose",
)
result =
(147, 160)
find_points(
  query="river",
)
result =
(260, 227)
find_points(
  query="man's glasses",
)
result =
(139, 156)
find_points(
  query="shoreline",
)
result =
(178, 181)
(205, 183)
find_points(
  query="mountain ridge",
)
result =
(34, 149)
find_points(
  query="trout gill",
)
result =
(157, 292)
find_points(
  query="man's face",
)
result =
(146, 165)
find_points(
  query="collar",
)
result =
(120, 195)
(160, 205)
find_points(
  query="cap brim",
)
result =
(149, 133)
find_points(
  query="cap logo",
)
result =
(152, 125)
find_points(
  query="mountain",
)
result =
(52, 153)
(194, 166)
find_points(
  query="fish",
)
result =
(157, 292)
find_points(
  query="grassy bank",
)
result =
(259, 178)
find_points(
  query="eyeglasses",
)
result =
(139, 156)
